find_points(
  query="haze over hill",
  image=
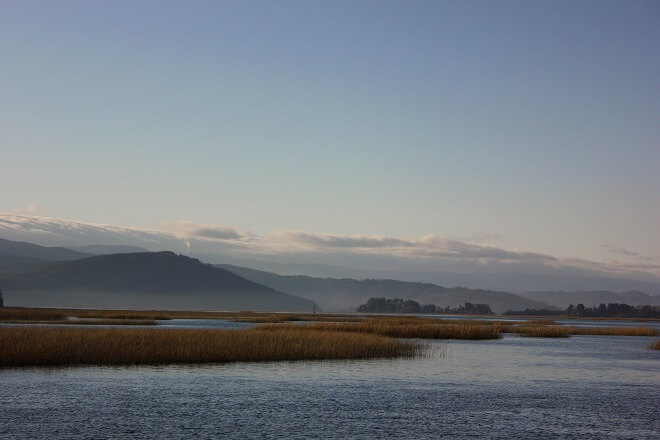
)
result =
(151, 278)
(105, 249)
(593, 298)
(141, 280)
(29, 250)
(346, 294)
(432, 259)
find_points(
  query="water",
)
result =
(580, 387)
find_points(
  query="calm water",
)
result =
(580, 387)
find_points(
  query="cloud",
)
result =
(427, 246)
(30, 209)
(621, 251)
(216, 240)
(57, 232)
(189, 230)
(329, 241)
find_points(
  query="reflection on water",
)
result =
(583, 386)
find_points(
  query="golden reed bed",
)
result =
(35, 346)
(395, 330)
(560, 331)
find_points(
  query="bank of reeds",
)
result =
(613, 331)
(539, 331)
(540, 322)
(273, 318)
(107, 322)
(421, 331)
(20, 314)
(38, 346)
(37, 314)
(560, 331)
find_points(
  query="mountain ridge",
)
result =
(345, 294)
(153, 279)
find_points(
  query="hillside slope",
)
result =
(29, 250)
(141, 280)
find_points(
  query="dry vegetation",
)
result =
(20, 314)
(541, 322)
(394, 329)
(33, 346)
(539, 331)
(35, 314)
(326, 332)
(559, 331)
(656, 345)
(74, 321)
(613, 331)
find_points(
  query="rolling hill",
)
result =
(141, 280)
(29, 250)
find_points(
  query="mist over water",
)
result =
(579, 387)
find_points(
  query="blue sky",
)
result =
(530, 126)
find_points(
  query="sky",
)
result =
(526, 127)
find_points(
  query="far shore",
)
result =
(32, 314)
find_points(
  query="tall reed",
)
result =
(422, 331)
(559, 331)
(613, 331)
(38, 346)
(539, 331)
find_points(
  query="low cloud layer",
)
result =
(208, 239)
(427, 246)
(188, 230)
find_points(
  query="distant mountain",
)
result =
(346, 294)
(501, 278)
(142, 280)
(593, 298)
(29, 250)
(105, 249)
(11, 264)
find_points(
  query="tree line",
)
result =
(612, 310)
(398, 305)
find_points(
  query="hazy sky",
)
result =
(527, 125)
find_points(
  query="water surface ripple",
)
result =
(580, 387)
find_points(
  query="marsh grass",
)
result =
(36, 314)
(272, 318)
(74, 321)
(613, 331)
(539, 331)
(20, 314)
(540, 322)
(59, 316)
(38, 346)
(396, 330)
(560, 331)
